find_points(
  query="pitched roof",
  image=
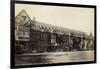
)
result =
(48, 27)
(56, 29)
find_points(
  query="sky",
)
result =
(77, 18)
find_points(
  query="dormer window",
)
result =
(24, 17)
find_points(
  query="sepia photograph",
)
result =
(47, 33)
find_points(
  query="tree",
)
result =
(90, 44)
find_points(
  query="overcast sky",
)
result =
(76, 18)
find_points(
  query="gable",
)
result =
(22, 18)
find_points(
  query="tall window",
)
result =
(53, 38)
